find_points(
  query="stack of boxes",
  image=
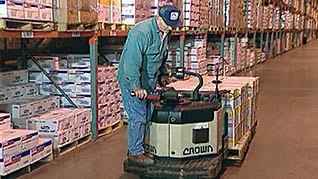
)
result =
(191, 13)
(22, 99)
(71, 72)
(276, 18)
(104, 10)
(266, 17)
(31, 10)
(134, 11)
(240, 103)
(251, 14)
(75, 12)
(20, 148)
(195, 58)
(109, 97)
(204, 14)
(259, 16)
(241, 46)
(63, 126)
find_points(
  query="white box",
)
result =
(46, 13)
(31, 11)
(10, 143)
(42, 150)
(51, 103)
(21, 109)
(16, 93)
(50, 123)
(4, 95)
(14, 77)
(35, 76)
(29, 138)
(46, 2)
(47, 89)
(59, 139)
(72, 75)
(84, 100)
(31, 90)
(60, 76)
(69, 88)
(83, 76)
(12, 9)
(76, 133)
(5, 121)
(15, 162)
(78, 61)
(85, 129)
(83, 89)
(83, 116)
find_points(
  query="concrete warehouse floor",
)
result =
(285, 145)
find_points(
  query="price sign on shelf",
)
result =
(113, 33)
(76, 34)
(27, 34)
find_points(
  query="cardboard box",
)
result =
(83, 76)
(83, 89)
(52, 103)
(21, 109)
(29, 138)
(35, 76)
(78, 61)
(59, 139)
(4, 95)
(85, 129)
(15, 162)
(84, 100)
(46, 2)
(47, 89)
(13, 78)
(46, 13)
(50, 123)
(10, 143)
(42, 150)
(5, 121)
(11, 9)
(76, 133)
(31, 90)
(31, 11)
(60, 76)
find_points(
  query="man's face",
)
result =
(164, 27)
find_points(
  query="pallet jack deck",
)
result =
(197, 168)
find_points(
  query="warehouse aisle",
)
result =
(285, 144)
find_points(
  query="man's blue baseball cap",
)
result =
(170, 15)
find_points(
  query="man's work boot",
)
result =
(140, 159)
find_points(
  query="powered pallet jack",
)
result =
(187, 136)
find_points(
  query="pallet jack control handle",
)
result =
(149, 97)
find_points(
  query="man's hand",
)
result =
(165, 80)
(140, 93)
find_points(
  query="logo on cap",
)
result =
(174, 16)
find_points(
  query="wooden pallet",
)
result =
(113, 26)
(61, 150)
(29, 168)
(61, 27)
(110, 129)
(9, 24)
(237, 154)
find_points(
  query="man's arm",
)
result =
(135, 49)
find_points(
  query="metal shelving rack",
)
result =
(266, 35)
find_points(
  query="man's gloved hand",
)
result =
(140, 93)
(165, 80)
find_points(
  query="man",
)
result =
(144, 56)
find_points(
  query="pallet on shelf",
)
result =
(111, 128)
(114, 26)
(76, 27)
(10, 24)
(29, 168)
(61, 150)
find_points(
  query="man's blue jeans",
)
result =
(139, 114)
